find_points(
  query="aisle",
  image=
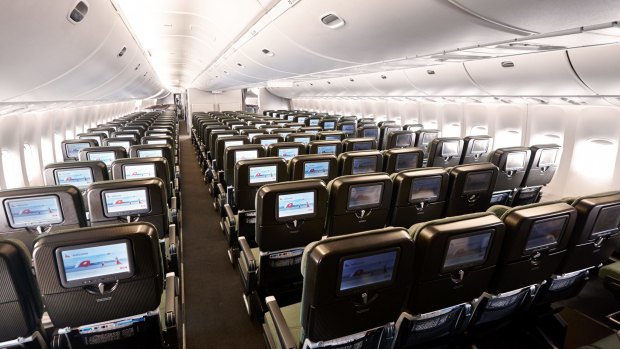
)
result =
(215, 316)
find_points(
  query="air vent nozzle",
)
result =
(78, 12)
(508, 64)
(332, 21)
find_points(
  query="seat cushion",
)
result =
(611, 270)
(292, 316)
(609, 342)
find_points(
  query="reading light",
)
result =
(267, 52)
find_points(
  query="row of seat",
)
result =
(117, 272)
(440, 277)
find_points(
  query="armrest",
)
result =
(172, 238)
(230, 215)
(173, 203)
(177, 171)
(172, 290)
(287, 341)
(176, 183)
(246, 254)
(221, 190)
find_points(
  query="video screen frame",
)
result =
(370, 205)
(467, 191)
(450, 149)
(391, 253)
(399, 165)
(139, 166)
(489, 233)
(323, 164)
(57, 174)
(290, 217)
(106, 278)
(511, 166)
(370, 158)
(610, 211)
(109, 214)
(143, 153)
(527, 249)
(69, 152)
(16, 224)
(435, 179)
(252, 170)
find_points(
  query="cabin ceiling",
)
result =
(220, 45)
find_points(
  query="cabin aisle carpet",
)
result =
(215, 315)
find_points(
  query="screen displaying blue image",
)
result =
(425, 189)
(314, 122)
(406, 161)
(139, 171)
(126, 202)
(301, 119)
(316, 169)
(73, 149)
(107, 157)
(263, 174)
(329, 125)
(312, 132)
(95, 264)
(545, 233)
(370, 132)
(365, 164)
(326, 149)
(348, 129)
(33, 211)
(150, 153)
(368, 270)
(288, 153)
(332, 138)
(79, 177)
(304, 140)
(295, 205)
(467, 251)
(362, 146)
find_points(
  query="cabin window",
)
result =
(595, 159)
(58, 138)
(478, 130)
(507, 138)
(33, 167)
(11, 169)
(452, 129)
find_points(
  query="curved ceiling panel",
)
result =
(541, 74)
(381, 30)
(443, 80)
(598, 67)
(543, 16)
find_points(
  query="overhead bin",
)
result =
(392, 83)
(598, 67)
(52, 57)
(443, 80)
(539, 74)
(543, 16)
(374, 31)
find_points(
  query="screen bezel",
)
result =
(296, 217)
(358, 158)
(161, 153)
(259, 184)
(316, 162)
(9, 214)
(335, 147)
(101, 152)
(399, 168)
(470, 264)
(109, 278)
(453, 154)
(522, 154)
(57, 179)
(555, 157)
(593, 234)
(527, 251)
(130, 212)
(88, 145)
(466, 192)
(473, 146)
(366, 206)
(287, 148)
(371, 287)
(432, 199)
(149, 164)
(245, 151)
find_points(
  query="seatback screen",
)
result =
(296, 205)
(370, 132)
(329, 125)
(33, 211)
(358, 273)
(266, 142)
(477, 182)
(425, 189)
(547, 157)
(362, 145)
(332, 138)
(514, 161)
(150, 153)
(348, 128)
(449, 149)
(139, 171)
(246, 154)
(365, 196)
(304, 140)
(107, 157)
(124, 144)
(80, 177)
(428, 137)
(316, 169)
(73, 149)
(263, 174)
(118, 203)
(314, 122)
(89, 264)
(480, 146)
(607, 221)
(545, 233)
(403, 140)
(326, 149)
(467, 251)
(156, 141)
(406, 161)
(366, 164)
(232, 143)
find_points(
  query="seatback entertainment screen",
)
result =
(80, 177)
(33, 211)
